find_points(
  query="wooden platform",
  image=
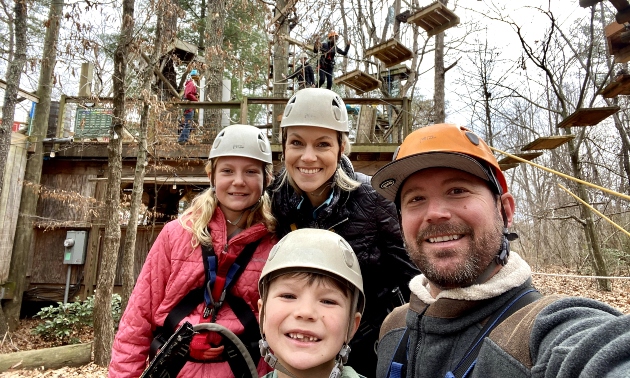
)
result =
(184, 51)
(525, 155)
(390, 52)
(434, 18)
(619, 86)
(359, 81)
(618, 43)
(547, 143)
(588, 116)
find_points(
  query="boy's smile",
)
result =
(306, 323)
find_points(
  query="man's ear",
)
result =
(509, 206)
(355, 326)
(260, 303)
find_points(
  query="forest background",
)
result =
(510, 73)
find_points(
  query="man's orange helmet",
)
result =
(332, 34)
(441, 145)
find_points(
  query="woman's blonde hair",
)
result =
(340, 178)
(196, 218)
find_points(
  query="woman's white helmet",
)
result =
(318, 107)
(242, 140)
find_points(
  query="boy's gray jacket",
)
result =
(555, 336)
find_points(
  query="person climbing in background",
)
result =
(216, 250)
(327, 58)
(190, 94)
(304, 73)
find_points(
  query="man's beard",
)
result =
(478, 255)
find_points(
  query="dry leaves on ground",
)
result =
(619, 297)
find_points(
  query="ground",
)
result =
(23, 339)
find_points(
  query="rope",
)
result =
(577, 276)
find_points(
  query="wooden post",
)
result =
(93, 246)
(244, 111)
(405, 120)
(85, 82)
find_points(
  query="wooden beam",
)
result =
(27, 95)
(298, 43)
(284, 11)
(161, 76)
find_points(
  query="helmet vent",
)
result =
(474, 139)
(261, 143)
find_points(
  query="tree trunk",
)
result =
(280, 63)
(48, 358)
(439, 100)
(215, 57)
(597, 259)
(128, 274)
(20, 259)
(103, 322)
(13, 77)
(439, 79)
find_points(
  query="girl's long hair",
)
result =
(197, 217)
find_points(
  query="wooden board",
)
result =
(619, 86)
(434, 18)
(588, 116)
(547, 143)
(10, 199)
(526, 156)
(359, 81)
(390, 52)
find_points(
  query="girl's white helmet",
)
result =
(242, 140)
(316, 107)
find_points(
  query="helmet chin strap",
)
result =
(340, 360)
(504, 252)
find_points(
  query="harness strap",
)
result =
(227, 276)
(521, 299)
(398, 365)
(241, 309)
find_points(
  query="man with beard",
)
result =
(472, 311)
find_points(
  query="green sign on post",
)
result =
(93, 123)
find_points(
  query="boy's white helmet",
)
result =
(242, 140)
(317, 251)
(303, 56)
(318, 107)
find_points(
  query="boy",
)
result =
(311, 304)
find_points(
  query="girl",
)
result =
(230, 219)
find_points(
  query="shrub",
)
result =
(63, 323)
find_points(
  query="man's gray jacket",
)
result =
(555, 336)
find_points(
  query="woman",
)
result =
(231, 219)
(318, 188)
